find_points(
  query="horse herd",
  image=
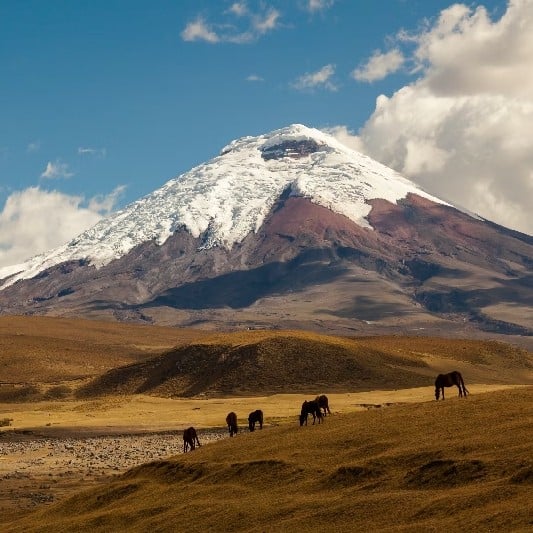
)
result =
(317, 408)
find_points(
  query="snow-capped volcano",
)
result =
(231, 195)
(287, 229)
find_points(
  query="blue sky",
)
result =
(101, 102)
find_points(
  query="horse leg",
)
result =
(465, 391)
(442, 390)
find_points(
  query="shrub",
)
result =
(5, 422)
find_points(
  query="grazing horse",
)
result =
(190, 439)
(231, 420)
(448, 380)
(310, 408)
(323, 403)
(255, 417)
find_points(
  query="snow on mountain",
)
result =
(229, 196)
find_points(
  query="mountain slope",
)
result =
(287, 229)
(228, 197)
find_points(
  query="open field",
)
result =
(413, 466)
(70, 390)
(51, 350)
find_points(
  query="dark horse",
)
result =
(255, 417)
(323, 403)
(310, 408)
(231, 420)
(448, 380)
(190, 439)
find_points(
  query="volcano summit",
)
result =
(288, 229)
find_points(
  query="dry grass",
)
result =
(51, 350)
(412, 465)
(266, 362)
(455, 465)
(141, 413)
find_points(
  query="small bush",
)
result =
(5, 422)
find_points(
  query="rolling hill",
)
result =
(261, 363)
(430, 466)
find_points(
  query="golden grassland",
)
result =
(142, 413)
(390, 458)
(44, 358)
(462, 464)
(48, 349)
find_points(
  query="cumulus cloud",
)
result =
(463, 129)
(34, 220)
(199, 30)
(56, 170)
(346, 137)
(244, 25)
(319, 79)
(379, 66)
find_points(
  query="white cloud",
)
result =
(101, 152)
(254, 77)
(105, 203)
(244, 26)
(199, 30)
(34, 221)
(240, 9)
(466, 53)
(56, 170)
(318, 5)
(379, 66)
(320, 78)
(346, 137)
(266, 22)
(464, 129)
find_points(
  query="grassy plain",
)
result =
(449, 466)
(390, 458)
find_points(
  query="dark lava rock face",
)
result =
(295, 149)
